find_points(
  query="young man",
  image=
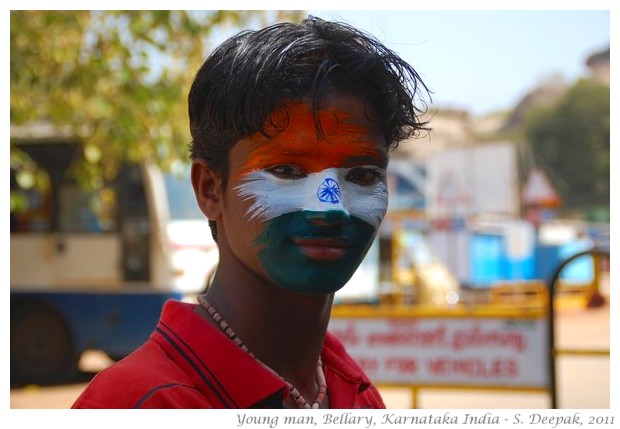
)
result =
(291, 129)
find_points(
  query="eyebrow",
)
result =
(379, 158)
(359, 157)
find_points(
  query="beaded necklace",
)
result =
(299, 400)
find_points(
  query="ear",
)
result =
(208, 189)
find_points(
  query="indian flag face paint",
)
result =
(327, 190)
(320, 201)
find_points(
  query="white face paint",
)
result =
(325, 190)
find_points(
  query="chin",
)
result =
(322, 283)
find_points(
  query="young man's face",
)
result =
(303, 211)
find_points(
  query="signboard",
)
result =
(538, 190)
(457, 351)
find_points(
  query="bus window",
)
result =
(135, 224)
(61, 205)
(86, 211)
(30, 208)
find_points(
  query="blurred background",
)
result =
(499, 218)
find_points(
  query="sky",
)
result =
(480, 60)
(486, 60)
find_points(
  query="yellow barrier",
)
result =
(415, 330)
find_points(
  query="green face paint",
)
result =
(309, 259)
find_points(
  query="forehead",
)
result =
(348, 138)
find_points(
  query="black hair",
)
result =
(254, 73)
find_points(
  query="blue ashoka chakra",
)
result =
(329, 191)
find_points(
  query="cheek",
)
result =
(368, 203)
(268, 197)
(240, 230)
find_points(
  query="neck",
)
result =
(283, 330)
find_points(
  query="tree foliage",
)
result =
(115, 80)
(571, 141)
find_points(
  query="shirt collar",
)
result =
(345, 379)
(224, 371)
(336, 357)
(218, 366)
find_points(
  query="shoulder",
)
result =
(336, 357)
(336, 354)
(131, 384)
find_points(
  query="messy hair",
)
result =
(254, 73)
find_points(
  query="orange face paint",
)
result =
(344, 143)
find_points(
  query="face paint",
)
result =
(326, 190)
(290, 266)
(294, 179)
(345, 143)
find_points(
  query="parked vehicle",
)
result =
(91, 269)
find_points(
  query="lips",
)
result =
(323, 249)
(304, 258)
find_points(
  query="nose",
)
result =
(329, 210)
(327, 217)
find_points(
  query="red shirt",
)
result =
(188, 363)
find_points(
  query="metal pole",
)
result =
(551, 318)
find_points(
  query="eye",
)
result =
(364, 176)
(287, 171)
